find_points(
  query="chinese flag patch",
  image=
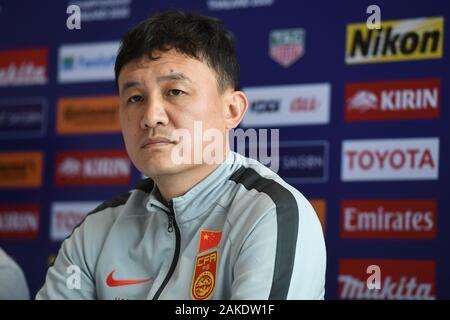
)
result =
(209, 239)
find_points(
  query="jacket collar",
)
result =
(200, 197)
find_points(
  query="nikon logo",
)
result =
(399, 40)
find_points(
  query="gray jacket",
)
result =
(13, 285)
(241, 233)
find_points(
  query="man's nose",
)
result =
(154, 114)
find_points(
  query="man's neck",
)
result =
(172, 186)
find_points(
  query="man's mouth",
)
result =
(156, 142)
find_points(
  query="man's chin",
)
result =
(167, 169)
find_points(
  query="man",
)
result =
(224, 227)
(13, 285)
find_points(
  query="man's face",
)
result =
(160, 97)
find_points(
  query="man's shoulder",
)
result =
(6, 261)
(262, 189)
(258, 179)
(143, 187)
(260, 197)
(103, 216)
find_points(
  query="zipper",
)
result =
(171, 222)
(172, 225)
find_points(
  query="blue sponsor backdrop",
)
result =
(23, 118)
(42, 24)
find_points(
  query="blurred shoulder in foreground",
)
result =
(13, 285)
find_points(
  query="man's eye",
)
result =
(175, 92)
(135, 99)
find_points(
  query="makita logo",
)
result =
(20, 221)
(388, 100)
(399, 40)
(23, 67)
(74, 168)
(390, 159)
(260, 106)
(404, 289)
(388, 219)
(22, 74)
(397, 279)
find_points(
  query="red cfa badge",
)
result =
(209, 239)
(204, 280)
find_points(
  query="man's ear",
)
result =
(235, 108)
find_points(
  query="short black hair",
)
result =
(197, 36)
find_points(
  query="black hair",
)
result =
(197, 36)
